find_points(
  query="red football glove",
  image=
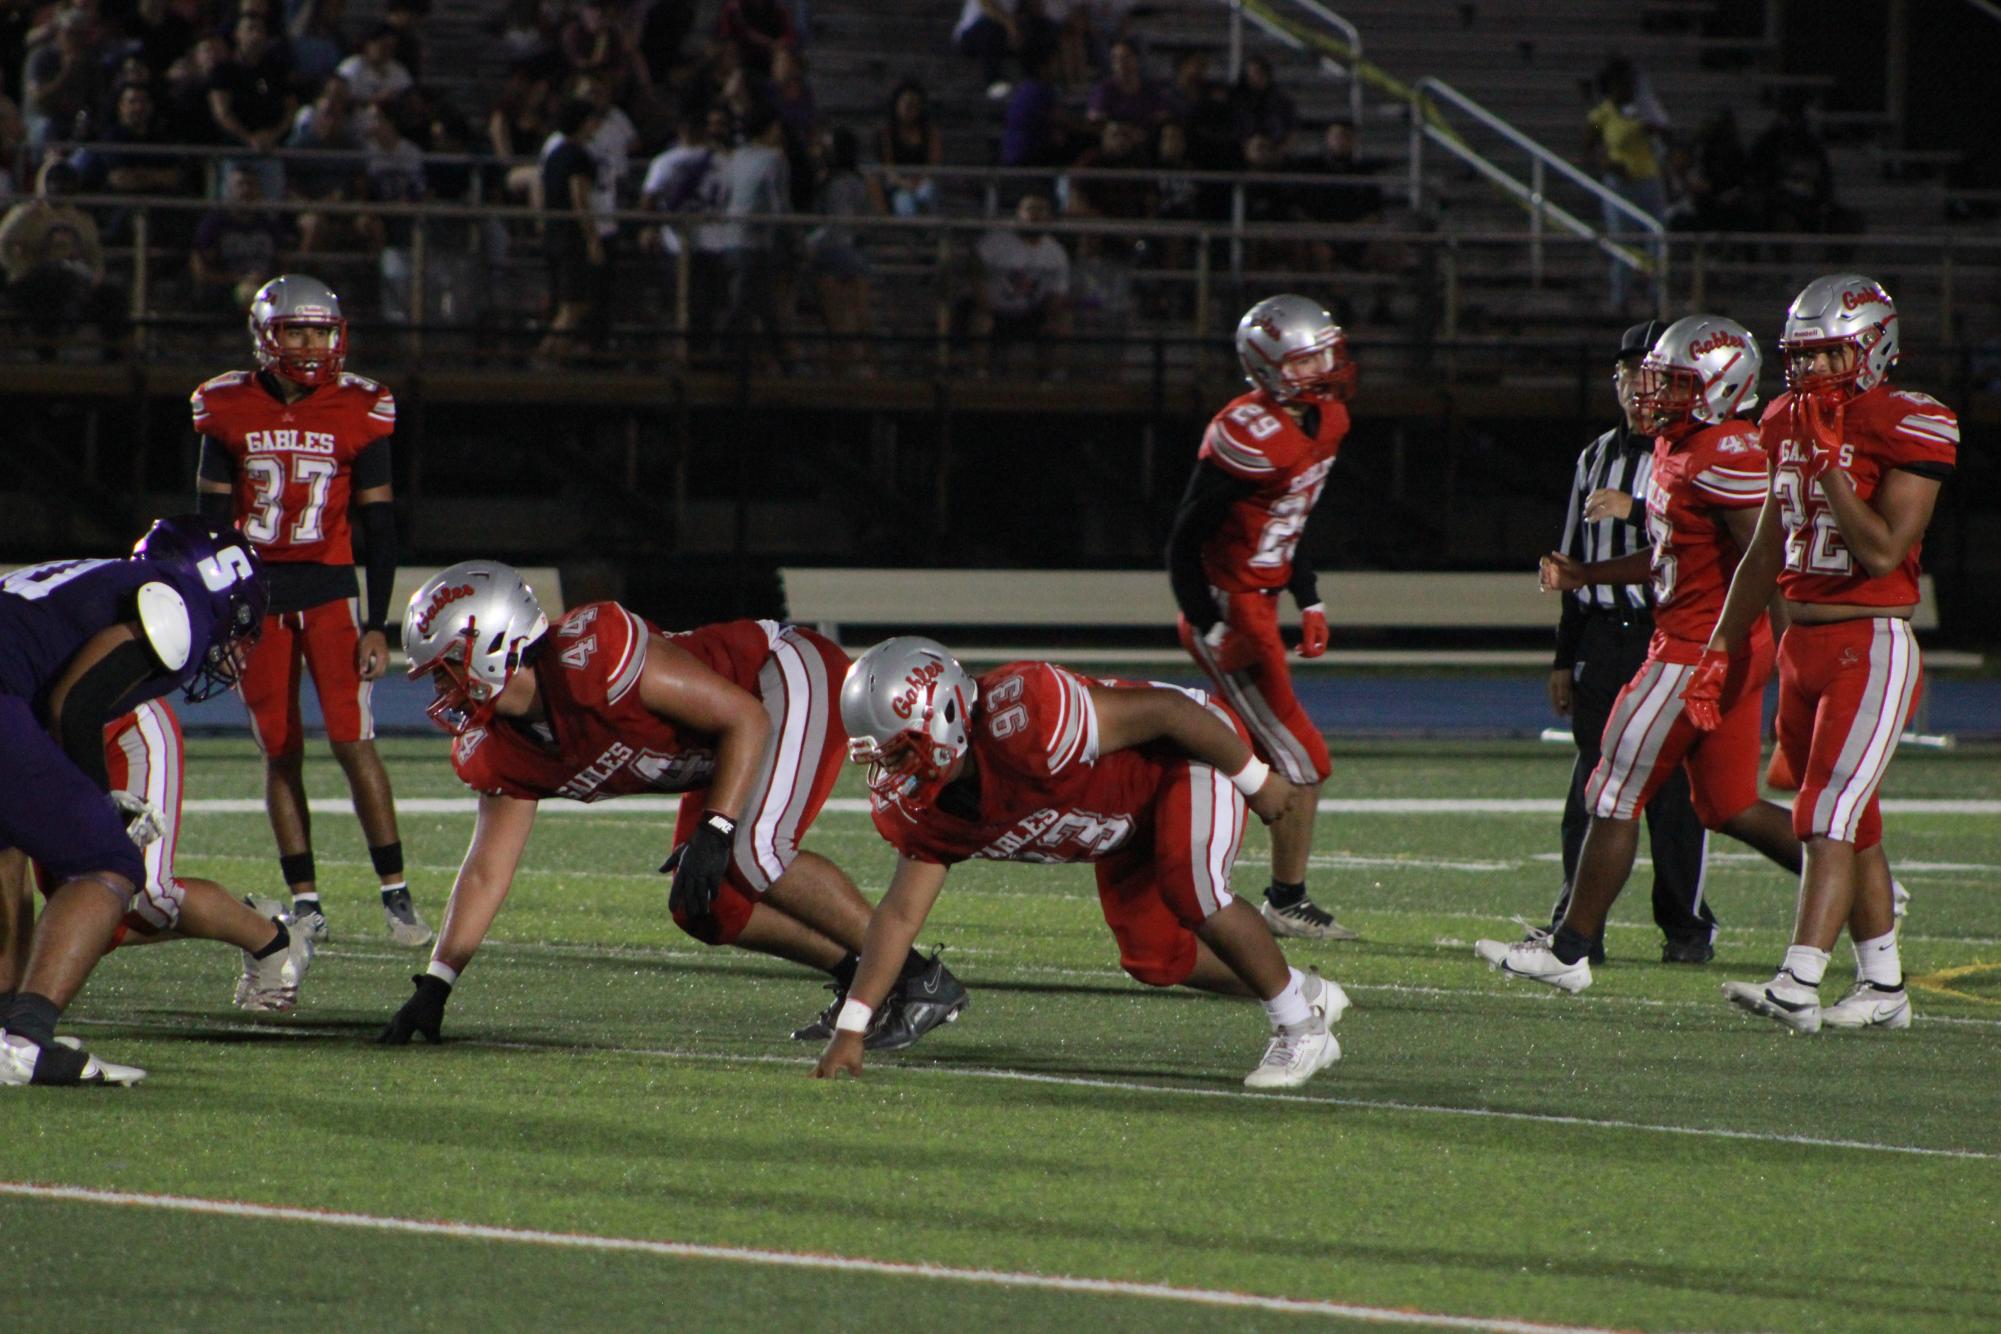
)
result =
(1821, 424)
(1313, 630)
(1702, 697)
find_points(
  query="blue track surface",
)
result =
(1364, 705)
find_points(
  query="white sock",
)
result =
(1807, 964)
(1878, 961)
(1288, 1008)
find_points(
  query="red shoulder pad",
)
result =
(1249, 440)
(212, 395)
(600, 647)
(1732, 470)
(380, 413)
(1039, 717)
(1921, 429)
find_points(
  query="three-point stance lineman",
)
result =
(1235, 547)
(1033, 764)
(739, 717)
(81, 642)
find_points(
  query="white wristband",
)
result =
(1252, 776)
(854, 1017)
(444, 972)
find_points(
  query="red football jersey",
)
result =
(1692, 482)
(1886, 429)
(1255, 439)
(294, 461)
(597, 739)
(1046, 795)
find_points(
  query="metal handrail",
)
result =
(1533, 192)
(1350, 72)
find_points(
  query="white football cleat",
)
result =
(406, 925)
(1294, 1056)
(1784, 998)
(1329, 1003)
(1532, 958)
(1305, 919)
(271, 984)
(20, 1059)
(1869, 1006)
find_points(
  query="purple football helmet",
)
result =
(229, 572)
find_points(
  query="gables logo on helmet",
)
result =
(444, 597)
(923, 682)
(1856, 298)
(1721, 338)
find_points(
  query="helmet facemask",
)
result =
(1321, 371)
(1668, 397)
(302, 365)
(1802, 378)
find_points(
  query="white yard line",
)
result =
(678, 1250)
(858, 806)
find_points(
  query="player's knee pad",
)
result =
(726, 920)
(1159, 967)
(159, 905)
(1717, 815)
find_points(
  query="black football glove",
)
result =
(422, 1013)
(698, 866)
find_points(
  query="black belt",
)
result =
(1625, 618)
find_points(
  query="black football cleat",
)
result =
(918, 1005)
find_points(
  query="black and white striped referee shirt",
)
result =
(1622, 460)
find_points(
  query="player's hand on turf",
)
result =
(842, 1057)
(1820, 423)
(1270, 802)
(1607, 502)
(1558, 573)
(699, 865)
(1313, 630)
(1702, 697)
(422, 1013)
(1559, 691)
(371, 655)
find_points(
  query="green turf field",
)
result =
(1640, 1156)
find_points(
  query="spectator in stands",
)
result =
(406, 19)
(61, 80)
(1088, 29)
(593, 45)
(138, 125)
(528, 29)
(313, 33)
(1126, 93)
(611, 146)
(757, 28)
(989, 30)
(186, 102)
(907, 146)
(1202, 105)
(520, 123)
(55, 265)
(1024, 285)
(251, 101)
(836, 257)
(1269, 201)
(1619, 146)
(1792, 163)
(394, 173)
(573, 239)
(792, 98)
(1121, 146)
(1344, 203)
(1716, 181)
(326, 124)
(1035, 129)
(1173, 195)
(661, 33)
(237, 247)
(1260, 106)
(685, 180)
(158, 34)
(374, 76)
(756, 180)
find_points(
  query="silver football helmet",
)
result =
(1702, 369)
(296, 299)
(907, 706)
(1840, 310)
(1291, 348)
(467, 628)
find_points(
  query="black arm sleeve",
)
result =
(1205, 503)
(215, 464)
(95, 699)
(1569, 629)
(1304, 585)
(371, 465)
(378, 526)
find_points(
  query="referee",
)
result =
(1600, 643)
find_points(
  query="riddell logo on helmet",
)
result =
(441, 599)
(919, 681)
(1862, 297)
(1721, 338)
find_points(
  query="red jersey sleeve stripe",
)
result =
(626, 674)
(1235, 454)
(1931, 429)
(1065, 736)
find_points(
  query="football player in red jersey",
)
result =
(1234, 547)
(1856, 471)
(738, 716)
(1033, 764)
(144, 764)
(1708, 478)
(285, 450)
